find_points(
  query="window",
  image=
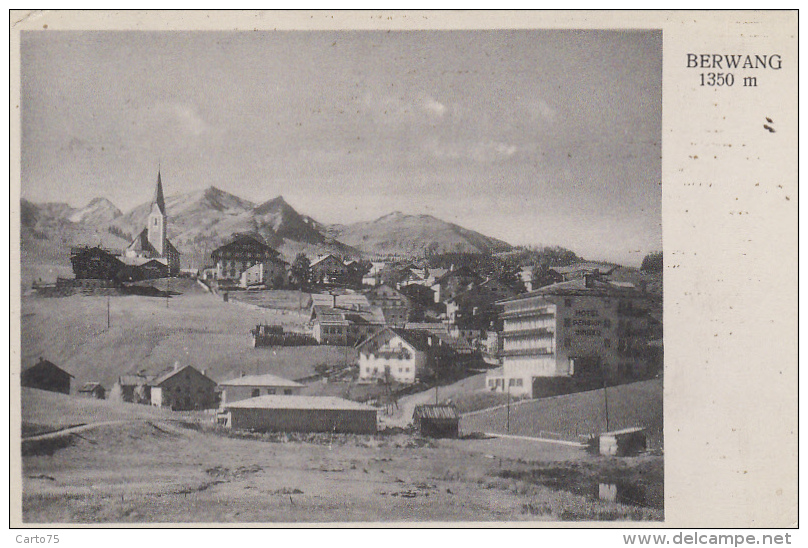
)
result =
(256, 392)
(518, 382)
(568, 303)
(270, 391)
(287, 391)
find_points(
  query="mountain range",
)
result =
(200, 221)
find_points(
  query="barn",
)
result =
(437, 421)
(93, 390)
(45, 375)
(299, 414)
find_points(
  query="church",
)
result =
(152, 244)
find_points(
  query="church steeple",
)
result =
(158, 195)
(157, 220)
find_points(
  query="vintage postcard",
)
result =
(404, 268)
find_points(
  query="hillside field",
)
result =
(156, 469)
(581, 414)
(151, 333)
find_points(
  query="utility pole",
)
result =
(436, 393)
(605, 394)
(508, 417)
(108, 322)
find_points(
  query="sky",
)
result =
(535, 137)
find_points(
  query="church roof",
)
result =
(141, 243)
(158, 195)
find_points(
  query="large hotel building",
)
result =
(576, 329)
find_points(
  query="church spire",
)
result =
(158, 195)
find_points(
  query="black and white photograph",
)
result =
(341, 276)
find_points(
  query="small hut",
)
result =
(93, 390)
(622, 443)
(437, 421)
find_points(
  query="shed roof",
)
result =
(299, 402)
(160, 380)
(260, 380)
(435, 412)
(578, 287)
(134, 380)
(46, 365)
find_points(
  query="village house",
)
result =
(422, 303)
(579, 270)
(394, 304)
(152, 242)
(184, 389)
(45, 375)
(271, 273)
(399, 355)
(356, 272)
(92, 390)
(242, 254)
(526, 275)
(133, 388)
(474, 309)
(252, 386)
(373, 276)
(329, 269)
(344, 326)
(95, 263)
(582, 329)
(454, 282)
(458, 345)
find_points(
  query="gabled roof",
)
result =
(90, 386)
(604, 268)
(435, 412)
(249, 239)
(322, 259)
(419, 340)
(436, 273)
(463, 271)
(260, 380)
(475, 289)
(142, 243)
(426, 326)
(135, 380)
(577, 287)
(45, 364)
(349, 301)
(160, 380)
(327, 314)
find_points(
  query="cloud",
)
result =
(434, 107)
(189, 119)
(182, 116)
(480, 151)
(539, 109)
